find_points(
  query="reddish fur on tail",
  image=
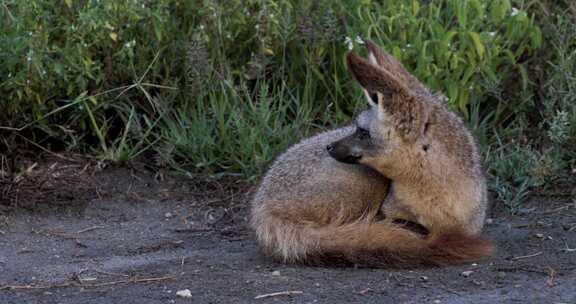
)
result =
(369, 244)
(446, 250)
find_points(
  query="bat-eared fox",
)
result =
(401, 187)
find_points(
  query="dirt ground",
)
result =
(128, 236)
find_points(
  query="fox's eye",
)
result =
(363, 133)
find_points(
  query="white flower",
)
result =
(515, 12)
(130, 44)
(492, 34)
(201, 27)
(359, 40)
(349, 43)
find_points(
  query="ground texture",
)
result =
(92, 235)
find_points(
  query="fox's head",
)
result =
(407, 129)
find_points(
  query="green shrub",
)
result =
(221, 87)
(466, 49)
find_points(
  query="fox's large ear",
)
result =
(395, 99)
(386, 61)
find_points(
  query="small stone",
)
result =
(424, 278)
(467, 273)
(317, 284)
(489, 221)
(168, 215)
(184, 293)
(501, 274)
(436, 301)
(276, 273)
(539, 235)
(474, 264)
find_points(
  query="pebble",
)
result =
(184, 293)
(467, 273)
(501, 274)
(276, 273)
(168, 215)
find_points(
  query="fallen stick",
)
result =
(90, 229)
(145, 280)
(568, 249)
(281, 293)
(526, 256)
(75, 284)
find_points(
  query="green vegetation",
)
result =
(222, 87)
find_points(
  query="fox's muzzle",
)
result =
(342, 153)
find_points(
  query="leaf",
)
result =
(113, 36)
(480, 49)
(523, 76)
(500, 9)
(461, 13)
(415, 7)
(68, 3)
(536, 37)
(108, 26)
(463, 103)
(452, 91)
(267, 51)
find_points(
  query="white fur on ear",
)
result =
(376, 105)
(369, 99)
(382, 113)
(372, 58)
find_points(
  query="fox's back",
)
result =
(306, 184)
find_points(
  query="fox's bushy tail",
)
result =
(366, 244)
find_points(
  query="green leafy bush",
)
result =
(221, 87)
(466, 49)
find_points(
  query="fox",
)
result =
(401, 187)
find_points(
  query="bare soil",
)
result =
(127, 236)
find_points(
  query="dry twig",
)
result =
(276, 294)
(90, 229)
(76, 284)
(526, 256)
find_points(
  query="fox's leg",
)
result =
(401, 216)
(396, 212)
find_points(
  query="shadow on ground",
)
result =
(135, 239)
